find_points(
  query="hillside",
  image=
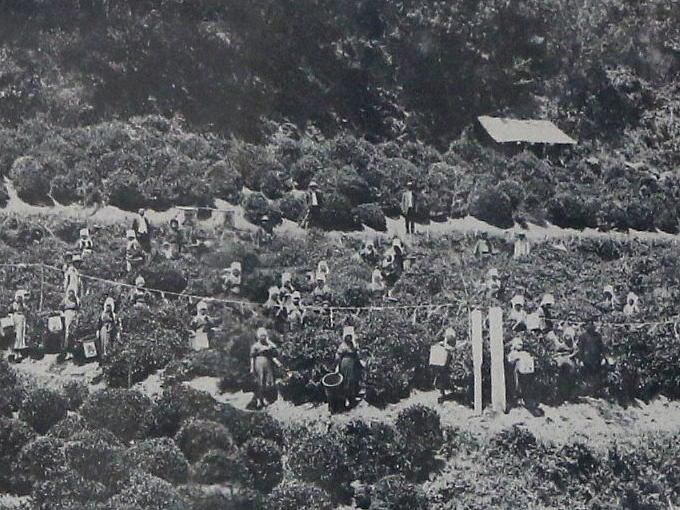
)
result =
(162, 103)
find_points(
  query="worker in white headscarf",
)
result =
(323, 269)
(140, 296)
(321, 292)
(369, 254)
(232, 278)
(442, 372)
(19, 311)
(107, 328)
(632, 306)
(85, 244)
(201, 325)
(70, 306)
(263, 358)
(377, 285)
(295, 311)
(483, 247)
(72, 279)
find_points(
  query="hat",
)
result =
(130, 234)
(320, 277)
(632, 296)
(139, 281)
(348, 331)
(296, 295)
(76, 258)
(261, 332)
(533, 321)
(609, 289)
(449, 332)
(236, 265)
(322, 266)
(286, 277)
(368, 243)
(20, 293)
(274, 291)
(409, 183)
(548, 299)
(84, 232)
(264, 218)
(518, 299)
(313, 184)
(492, 272)
(397, 242)
(140, 210)
(569, 332)
(202, 305)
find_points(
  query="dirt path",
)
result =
(591, 421)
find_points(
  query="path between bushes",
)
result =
(108, 215)
(591, 421)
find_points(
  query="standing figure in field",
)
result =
(265, 234)
(175, 241)
(442, 371)
(408, 208)
(85, 244)
(19, 311)
(522, 246)
(483, 247)
(314, 203)
(70, 307)
(377, 285)
(609, 302)
(369, 254)
(632, 306)
(321, 292)
(523, 370)
(263, 357)
(349, 366)
(72, 279)
(518, 314)
(140, 296)
(232, 279)
(134, 254)
(546, 314)
(142, 228)
(107, 328)
(201, 325)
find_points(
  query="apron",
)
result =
(19, 330)
(105, 337)
(69, 317)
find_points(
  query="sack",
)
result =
(54, 324)
(6, 322)
(525, 364)
(90, 349)
(439, 356)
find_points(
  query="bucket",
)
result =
(332, 385)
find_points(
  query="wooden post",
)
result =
(497, 359)
(476, 337)
(42, 283)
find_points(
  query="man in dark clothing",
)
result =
(408, 208)
(142, 229)
(591, 353)
(313, 206)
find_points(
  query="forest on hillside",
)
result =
(158, 99)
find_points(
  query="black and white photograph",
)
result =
(339, 254)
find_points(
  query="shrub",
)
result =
(395, 493)
(567, 209)
(304, 169)
(66, 428)
(98, 456)
(14, 435)
(75, 393)
(177, 404)
(244, 499)
(148, 492)
(336, 213)
(320, 458)
(30, 180)
(41, 459)
(493, 206)
(516, 441)
(122, 412)
(292, 208)
(225, 182)
(69, 491)
(220, 466)
(164, 276)
(196, 437)
(245, 425)
(256, 206)
(262, 461)
(293, 495)
(421, 424)
(42, 408)
(160, 457)
(11, 396)
(374, 450)
(372, 216)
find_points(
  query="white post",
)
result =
(497, 359)
(476, 337)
